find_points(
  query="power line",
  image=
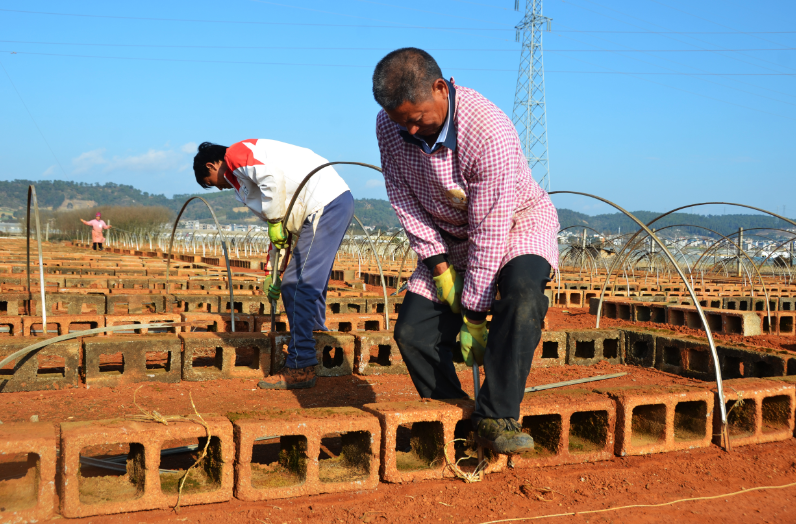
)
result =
(296, 48)
(656, 25)
(247, 22)
(697, 69)
(430, 12)
(189, 60)
(32, 119)
(394, 26)
(351, 16)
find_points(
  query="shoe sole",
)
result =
(490, 444)
(298, 385)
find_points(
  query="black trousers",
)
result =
(426, 335)
(97, 244)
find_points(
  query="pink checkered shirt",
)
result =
(479, 203)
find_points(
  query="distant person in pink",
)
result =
(97, 226)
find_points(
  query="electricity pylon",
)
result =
(530, 113)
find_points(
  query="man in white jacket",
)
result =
(265, 175)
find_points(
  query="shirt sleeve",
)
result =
(491, 203)
(424, 238)
(271, 181)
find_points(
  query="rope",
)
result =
(587, 512)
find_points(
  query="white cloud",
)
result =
(152, 160)
(373, 182)
(190, 147)
(49, 171)
(88, 160)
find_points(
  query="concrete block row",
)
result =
(691, 357)
(746, 323)
(298, 452)
(124, 359)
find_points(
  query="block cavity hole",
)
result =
(19, 481)
(50, 366)
(419, 446)
(671, 356)
(176, 456)
(466, 450)
(345, 457)
(158, 361)
(247, 357)
(380, 355)
(611, 348)
(777, 412)
(112, 364)
(588, 431)
(111, 473)
(208, 357)
(278, 462)
(332, 357)
(584, 349)
(648, 425)
(741, 418)
(690, 420)
(546, 433)
(550, 349)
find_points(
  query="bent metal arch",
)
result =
(720, 386)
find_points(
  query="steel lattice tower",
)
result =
(530, 114)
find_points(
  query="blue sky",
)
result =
(126, 93)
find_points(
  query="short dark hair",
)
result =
(404, 75)
(207, 152)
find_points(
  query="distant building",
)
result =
(10, 227)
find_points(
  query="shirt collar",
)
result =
(447, 136)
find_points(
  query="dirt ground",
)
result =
(518, 493)
(511, 494)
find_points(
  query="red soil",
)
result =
(510, 494)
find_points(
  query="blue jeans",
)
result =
(306, 279)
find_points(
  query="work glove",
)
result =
(449, 289)
(275, 290)
(472, 338)
(277, 234)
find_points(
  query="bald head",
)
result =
(404, 75)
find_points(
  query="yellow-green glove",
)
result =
(275, 290)
(473, 341)
(277, 234)
(449, 289)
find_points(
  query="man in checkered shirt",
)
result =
(483, 230)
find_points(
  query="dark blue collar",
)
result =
(448, 127)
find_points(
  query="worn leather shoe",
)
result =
(503, 436)
(290, 378)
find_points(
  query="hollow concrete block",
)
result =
(430, 427)
(298, 470)
(658, 419)
(140, 487)
(568, 426)
(28, 498)
(211, 356)
(131, 365)
(52, 367)
(376, 353)
(758, 411)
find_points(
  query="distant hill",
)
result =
(62, 195)
(723, 224)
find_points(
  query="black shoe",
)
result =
(503, 436)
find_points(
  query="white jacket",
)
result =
(266, 174)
